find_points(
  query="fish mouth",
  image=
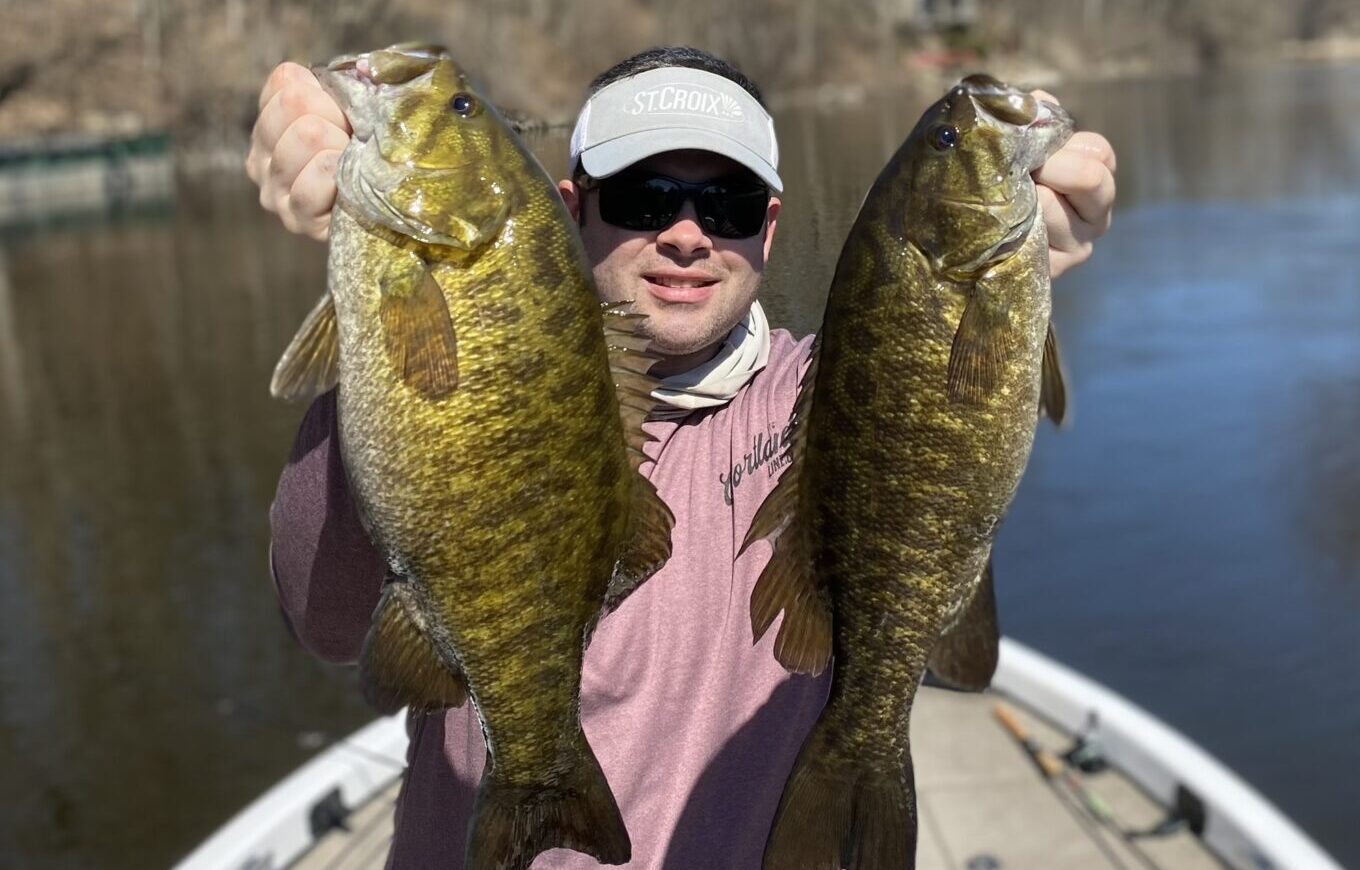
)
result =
(353, 80)
(349, 80)
(394, 65)
(1042, 125)
(998, 101)
(1052, 115)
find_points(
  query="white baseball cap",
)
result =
(669, 109)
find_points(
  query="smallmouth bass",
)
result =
(912, 431)
(489, 416)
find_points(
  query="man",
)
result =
(695, 728)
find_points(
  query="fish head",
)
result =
(972, 201)
(430, 157)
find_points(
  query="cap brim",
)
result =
(610, 157)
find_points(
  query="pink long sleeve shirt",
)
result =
(696, 729)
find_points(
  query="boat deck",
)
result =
(984, 804)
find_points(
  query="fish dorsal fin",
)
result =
(983, 347)
(965, 655)
(311, 364)
(629, 362)
(418, 333)
(790, 582)
(1053, 384)
(399, 665)
(648, 540)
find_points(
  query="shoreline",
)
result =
(191, 153)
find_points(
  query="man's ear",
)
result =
(571, 195)
(771, 221)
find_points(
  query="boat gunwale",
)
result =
(1242, 828)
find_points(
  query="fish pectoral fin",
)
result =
(966, 653)
(1053, 382)
(648, 543)
(789, 581)
(311, 364)
(399, 666)
(983, 346)
(418, 333)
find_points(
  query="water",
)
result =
(1193, 541)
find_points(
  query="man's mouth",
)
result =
(680, 288)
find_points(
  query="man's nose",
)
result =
(685, 236)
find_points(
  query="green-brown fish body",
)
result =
(483, 439)
(915, 426)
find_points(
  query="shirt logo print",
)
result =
(769, 450)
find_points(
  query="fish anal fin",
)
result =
(1053, 383)
(399, 665)
(311, 364)
(965, 655)
(982, 349)
(789, 582)
(419, 335)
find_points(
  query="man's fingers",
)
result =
(1093, 145)
(295, 147)
(276, 81)
(1066, 229)
(1071, 240)
(292, 103)
(312, 195)
(1085, 181)
(285, 75)
(1076, 191)
(302, 141)
(273, 120)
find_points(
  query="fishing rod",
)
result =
(1090, 810)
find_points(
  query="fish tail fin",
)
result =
(835, 815)
(512, 825)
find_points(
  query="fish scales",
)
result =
(507, 477)
(922, 514)
(913, 430)
(483, 437)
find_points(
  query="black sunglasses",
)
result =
(732, 207)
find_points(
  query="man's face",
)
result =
(694, 287)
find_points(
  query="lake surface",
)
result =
(1192, 541)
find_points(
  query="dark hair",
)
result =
(674, 55)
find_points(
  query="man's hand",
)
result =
(1076, 193)
(294, 149)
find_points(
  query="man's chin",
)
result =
(668, 342)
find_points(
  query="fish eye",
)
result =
(463, 104)
(944, 138)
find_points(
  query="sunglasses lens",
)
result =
(639, 203)
(733, 211)
(730, 209)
